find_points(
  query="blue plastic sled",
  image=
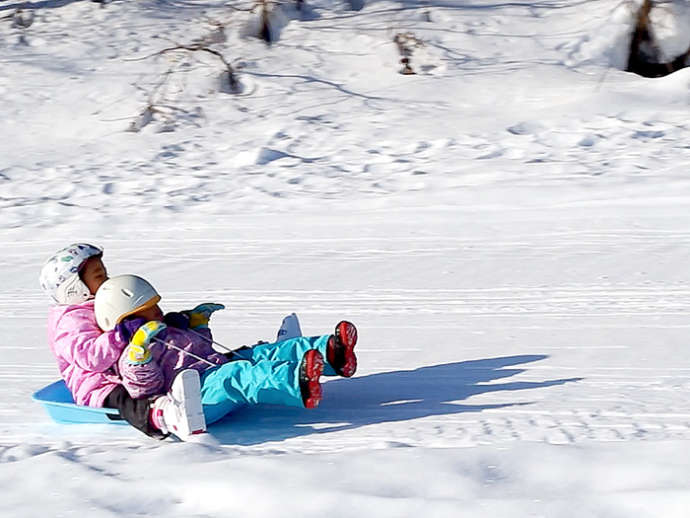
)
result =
(58, 402)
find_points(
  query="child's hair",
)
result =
(60, 274)
(122, 296)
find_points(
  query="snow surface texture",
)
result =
(509, 229)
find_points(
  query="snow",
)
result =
(508, 228)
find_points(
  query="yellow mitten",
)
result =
(137, 351)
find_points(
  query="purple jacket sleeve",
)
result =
(141, 380)
(79, 340)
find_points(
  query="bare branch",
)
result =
(200, 47)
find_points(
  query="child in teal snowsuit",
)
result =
(286, 372)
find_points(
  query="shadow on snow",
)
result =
(383, 398)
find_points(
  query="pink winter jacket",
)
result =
(86, 356)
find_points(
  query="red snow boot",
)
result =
(340, 351)
(309, 373)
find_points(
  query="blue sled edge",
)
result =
(58, 402)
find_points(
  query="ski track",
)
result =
(533, 386)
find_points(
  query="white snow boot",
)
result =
(179, 412)
(289, 328)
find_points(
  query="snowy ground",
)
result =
(509, 228)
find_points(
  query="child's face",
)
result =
(152, 313)
(93, 274)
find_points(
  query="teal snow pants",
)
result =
(267, 373)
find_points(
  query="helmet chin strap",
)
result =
(73, 291)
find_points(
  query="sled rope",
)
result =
(225, 348)
(196, 356)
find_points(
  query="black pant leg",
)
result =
(134, 411)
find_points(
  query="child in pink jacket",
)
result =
(87, 357)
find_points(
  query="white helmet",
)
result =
(121, 296)
(60, 274)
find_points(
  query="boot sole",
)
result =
(346, 337)
(311, 372)
(188, 392)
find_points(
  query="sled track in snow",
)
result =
(594, 405)
(487, 333)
